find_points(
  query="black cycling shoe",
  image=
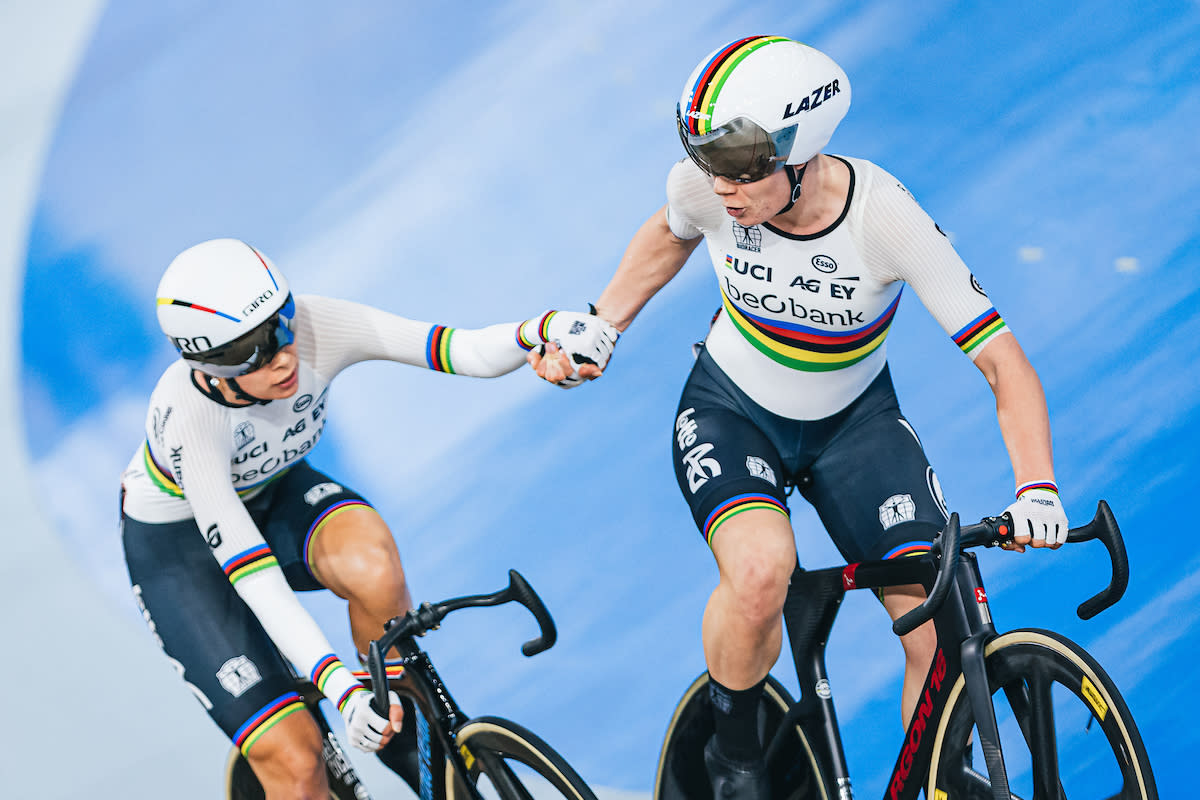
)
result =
(735, 780)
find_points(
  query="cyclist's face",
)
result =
(753, 203)
(276, 380)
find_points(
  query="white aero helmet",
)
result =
(225, 307)
(759, 103)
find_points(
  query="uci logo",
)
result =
(258, 301)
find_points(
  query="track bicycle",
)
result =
(1023, 714)
(457, 758)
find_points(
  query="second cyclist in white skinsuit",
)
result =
(791, 387)
(223, 519)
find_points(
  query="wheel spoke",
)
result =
(501, 776)
(1043, 743)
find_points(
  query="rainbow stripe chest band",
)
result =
(808, 305)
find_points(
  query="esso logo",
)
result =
(824, 263)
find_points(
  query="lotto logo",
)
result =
(980, 595)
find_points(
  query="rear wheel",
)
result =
(506, 762)
(1065, 730)
(681, 774)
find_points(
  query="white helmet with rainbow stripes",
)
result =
(226, 307)
(760, 103)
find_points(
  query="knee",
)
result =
(758, 584)
(364, 565)
(373, 569)
(292, 768)
(920, 645)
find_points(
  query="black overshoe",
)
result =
(734, 779)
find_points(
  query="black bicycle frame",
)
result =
(958, 607)
(810, 610)
(439, 714)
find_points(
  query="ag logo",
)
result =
(824, 263)
(302, 402)
(975, 285)
(747, 238)
(213, 536)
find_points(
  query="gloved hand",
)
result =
(1038, 516)
(365, 729)
(585, 342)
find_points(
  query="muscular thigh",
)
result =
(300, 507)
(874, 490)
(209, 634)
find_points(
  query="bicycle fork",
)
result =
(974, 670)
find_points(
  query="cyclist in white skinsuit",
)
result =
(792, 387)
(223, 518)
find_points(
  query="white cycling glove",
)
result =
(1039, 513)
(584, 338)
(364, 727)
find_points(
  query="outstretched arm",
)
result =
(337, 333)
(654, 256)
(1038, 516)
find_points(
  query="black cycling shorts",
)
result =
(209, 633)
(863, 469)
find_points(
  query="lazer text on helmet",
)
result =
(818, 96)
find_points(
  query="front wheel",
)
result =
(1065, 731)
(506, 762)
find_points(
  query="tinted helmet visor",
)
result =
(739, 150)
(250, 351)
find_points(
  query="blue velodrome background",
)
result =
(477, 163)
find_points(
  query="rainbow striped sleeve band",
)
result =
(264, 719)
(1047, 486)
(979, 330)
(533, 332)
(248, 562)
(326, 666)
(345, 698)
(437, 349)
(736, 505)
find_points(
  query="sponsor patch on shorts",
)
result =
(896, 509)
(319, 492)
(237, 675)
(760, 469)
